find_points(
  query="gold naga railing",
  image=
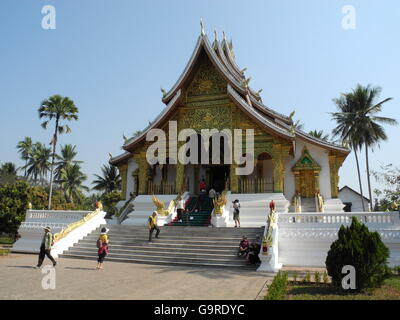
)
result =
(320, 202)
(255, 185)
(160, 206)
(72, 226)
(160, 188)
(219, 203)
(297, 203)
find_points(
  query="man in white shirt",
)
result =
(180, 207)
(212, 193)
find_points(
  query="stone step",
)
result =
(227, 254)
(177, 245)
(161, 248)
(168, 263)
(170, 246)
(133, 237)
(164, 258)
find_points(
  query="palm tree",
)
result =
(358, 123)
(71, 181)
(38, 164)
(296, 125)
(319, 135)
(58, 108)
(65, 159)
(110, 181)
(364, 99)
(25, 149)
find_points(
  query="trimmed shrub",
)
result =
(307, 278)
(317, 277)
(362, 249)
(325, 277)
(278, 287)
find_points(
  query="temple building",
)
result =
(213, 93)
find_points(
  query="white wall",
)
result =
(347, 195)
(130, 181)
(320, 155)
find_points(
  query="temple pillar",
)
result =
(135, 175)
(279, 154)
(297, 182)
(234, 179)
(316, 181)
(123, 172)
(143, 172)
(335, 162)
(179, 182)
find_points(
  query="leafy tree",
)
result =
(358, 247)
(71, 181)
(319, 134)
(61, 109)
(25, 149)
(109, 201)
(390, 177)
(65, 159)
(13, 205)
(109, 181)
(8, 173)
(360, 117)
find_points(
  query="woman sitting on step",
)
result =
(243, 247)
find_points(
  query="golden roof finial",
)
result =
(223, 32)
(202, 27)
(215, 35)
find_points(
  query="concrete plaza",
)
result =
(78, 279)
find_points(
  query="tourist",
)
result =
(202, 194)
(45, 247)
(254, 251)
(180, 208)
(243, 247)
(102, 244)
(202, 185)
(153, 225)
(212, 194)
(236, 211)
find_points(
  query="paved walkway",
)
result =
(78, 279)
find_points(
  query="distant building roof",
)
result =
(354, 191)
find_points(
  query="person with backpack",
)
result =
(236, 210)
(152, 224)
(45, 247)
(102, 245)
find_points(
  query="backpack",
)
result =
(52, 240)
(99, 243)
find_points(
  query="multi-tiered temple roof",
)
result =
(221, 55)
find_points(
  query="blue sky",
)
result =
(112, 57)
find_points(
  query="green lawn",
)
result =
(390, 290)
(6, 240)
(4, 252)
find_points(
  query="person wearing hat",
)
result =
(236, 207)
(103, 247)
(45, 247)
(152, 224)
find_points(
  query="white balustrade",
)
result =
(369, 218)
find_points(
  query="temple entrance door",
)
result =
(218, 177)
(307, 184)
